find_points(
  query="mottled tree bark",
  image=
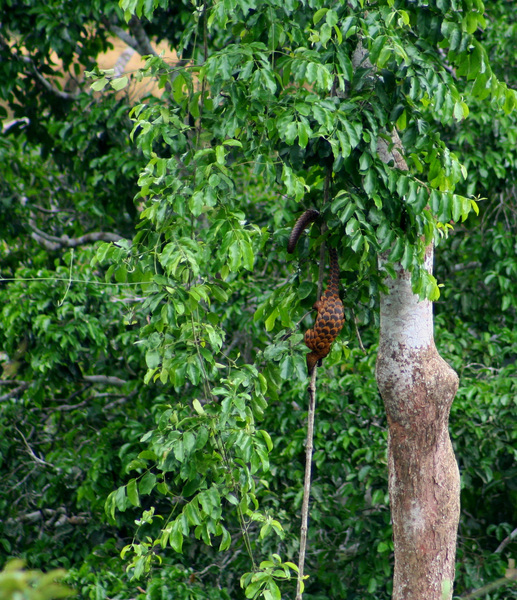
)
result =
(418, 388)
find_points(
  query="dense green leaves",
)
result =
(15, 582)
(160, 377)
(284, 98)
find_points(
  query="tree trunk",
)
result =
(418, 387)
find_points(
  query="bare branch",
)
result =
(144, 45)
(122, 61)
(511, 575)
(52, 517)
(52, 211)
(52, 242)
(119, 401)
(309, 444)
(473, 264)
(137, 39)
(506, 541)
(46, 84)
(36, 458)
(50, 246)
(21, 387)
(126, 37)
(105, 380)
(89, 238)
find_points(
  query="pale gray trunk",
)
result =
(418, 388)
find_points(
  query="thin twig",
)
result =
(65, 241)
(36, 458)
(306, 483)
(60, 302)
(120, 401)
(506, 541)
(144, 45)
(490, 587)
(46, 84)
(126, 37)
(23, 386)
(105, 380)
(358, 335)
(310, 417)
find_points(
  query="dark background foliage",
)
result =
(74, 410)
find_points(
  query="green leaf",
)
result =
(318, 15)
(510, 101)
(325, 34)
(401, 122)
(177, 87)
(226, 540)
(407, 258)
(286, 368)
(201, 438)
(220, 155)
(234, 254)
(132, 493)
(152, 359)
(370, 182)
(100, 84)
(377, 46)
(397, 250)
(332, 18)
(303, 134)
(189, 442)
(274, 591)
(253, 589)
(119, 83)
(176, 537)
(291, 132)
(121, 498)
(352, 227)
(276, 35)
(347, 212)
(481, 88)
(457, 207)
(247, 254)
(270, 321)
(147, 483)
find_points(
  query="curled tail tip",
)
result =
(308, 216)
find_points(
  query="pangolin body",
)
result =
(330, 309)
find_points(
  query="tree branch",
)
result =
(306, 483)
(36, 458)
(510, 576)
(473, 264)
(46, 84)
(506, 541)
(22, 385)
(126, 37)
(139, 40)
(104, 380)
(144, 45)
(52, 242)
(122, 60)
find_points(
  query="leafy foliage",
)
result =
(15, 582)
(196, 429)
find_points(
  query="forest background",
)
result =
(102, 312)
